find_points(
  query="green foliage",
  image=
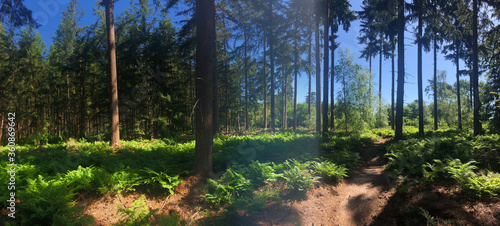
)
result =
(224, 189)
(137, 214)
(258, 173)
(163, 179)
(84, 179)
(440, 157)
(49, 202)
(297, 176)
(329, 170)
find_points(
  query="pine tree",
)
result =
(115, 124)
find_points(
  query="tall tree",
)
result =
(110, 25)
(401, 71)
(475, 70)
(340, 14)
(204, 73)
(420, 9)
(318, 66)
(270, 17)
(326, 25)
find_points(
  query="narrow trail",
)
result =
(356, 201)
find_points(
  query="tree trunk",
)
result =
(265, 88)
(284, 103)
(226, 81)
(420, 91)
(216, 98)
(83, 107)
(246, 79)
(475, 71)
(458, 87)
(392, 91)
(325, 70)
(309, 72)
(115, 128)
(332, 84)
(318, 77)
(435, 88)
(380, 82)
(204, 73)
(271, 43)
(401, 71)
(1, 126)
(296, 71)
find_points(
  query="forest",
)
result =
(151, 112)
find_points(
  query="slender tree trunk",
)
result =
(227, 87)
(380, 82)
(435, 88)
(332, 84)
(325, 70)
(458, 87)
(204, 73)
(370, 66)
(420, 91)
(265, 87)
(296, 71)
(271, 43)
(83, 107)
(392, 90)
(475, 71)
(216, 98)
(318, 76)
(284, 104)
(309, 72)
(115, 125)
(401, 71)
(1, 125)
(246, 80)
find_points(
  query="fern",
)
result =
(163, 179)
(137, 214)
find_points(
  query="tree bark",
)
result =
(475, 71)
(458, 87)
(83, 107)
(204, 73)
(296, 71)
(309, 72)
(246, 79)
(420, 91)
(325, 69)
(271, 43)
(115, 124)
(380, 82)
(392, 91)
(265, 87)
(318, 76)
(332, 84)
(435, 88)
(401, 71)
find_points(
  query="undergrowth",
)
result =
(50, 175)
(449, 156)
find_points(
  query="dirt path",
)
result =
(356, 201)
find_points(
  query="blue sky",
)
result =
(48, 13)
